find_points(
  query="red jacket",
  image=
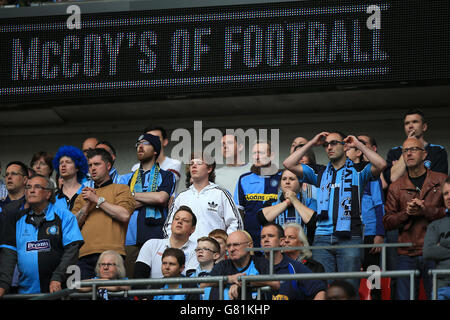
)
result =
(413, 228)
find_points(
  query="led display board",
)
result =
(305, 45)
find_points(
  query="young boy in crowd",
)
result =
(221, 237)
(207, 252)
(173, 261)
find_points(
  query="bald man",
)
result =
(240, 263)
(412, 202)
(89, 143)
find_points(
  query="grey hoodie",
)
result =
(437, 246)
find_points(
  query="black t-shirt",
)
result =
(436, 159)
(418, 181)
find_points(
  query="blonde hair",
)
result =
(219, 233)
(304, 253)
(119, 263)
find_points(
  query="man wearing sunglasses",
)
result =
(42, 240)
(412, 202)
(340, 186)
(297, 143)
(152, 188)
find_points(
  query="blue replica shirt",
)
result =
(296, 289)
(251, 192)
(348, 181)
(139, 231)
(192, 296)
(39, 250)
(64, 202)
(170, 296)
(202, 273)
(372, 209)
(257, 265)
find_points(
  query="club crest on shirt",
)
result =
(53, 230)
(39, 245)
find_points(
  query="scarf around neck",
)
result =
(137, 185)
(336, 188)
(290, 213)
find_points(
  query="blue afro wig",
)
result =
(77, 157)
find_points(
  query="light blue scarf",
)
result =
(339, 194)
(152, 214)
(283, 217)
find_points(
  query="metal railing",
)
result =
(383, 247)
(330, 275)
(435, 273)
(220, 280)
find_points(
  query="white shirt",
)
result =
(227, 177)
(213, 207)
(153, 249)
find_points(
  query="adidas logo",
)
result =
(212, 205)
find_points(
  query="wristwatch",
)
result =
(100, 201)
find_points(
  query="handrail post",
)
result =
(411, 286)
(221, 289)
(271, 262)
(434, 297)
(94, 292)
(383, 258)
(243, 289)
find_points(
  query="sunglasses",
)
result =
(332, 143)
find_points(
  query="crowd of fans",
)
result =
(137, 226)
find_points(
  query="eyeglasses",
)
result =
(103, 265)
(144, 142)
(13, 174)
(413, 150)
(332, 143)
(298, 147)
(236, 244)
(205, 249)
(36, 186)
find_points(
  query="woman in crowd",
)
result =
(291, 206)
(41, 163)
(110, 266)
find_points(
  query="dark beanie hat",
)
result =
(154, 141)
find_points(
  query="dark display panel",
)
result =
(225, 50)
